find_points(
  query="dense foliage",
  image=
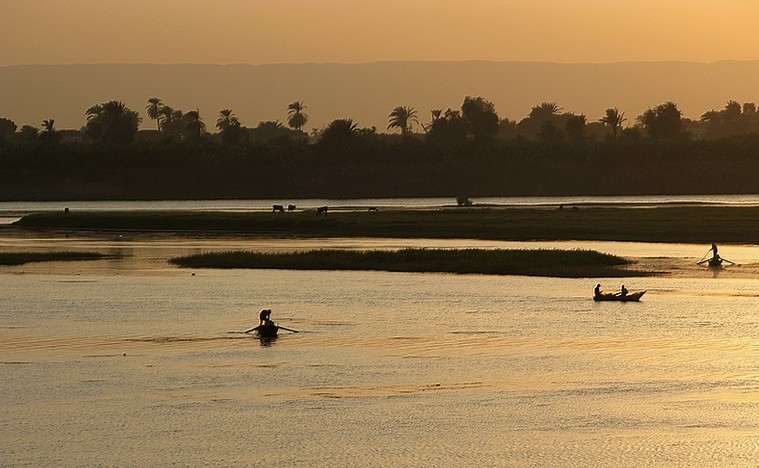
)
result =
(354, 165)
(461, 153)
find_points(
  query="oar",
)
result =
(704, 257)
(288, 329)
(250, 329)
(730, 261)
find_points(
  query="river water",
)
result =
(131, 362)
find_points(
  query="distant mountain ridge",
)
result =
(367, 92)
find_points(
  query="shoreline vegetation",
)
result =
(670, 224)
(689, 224)
(554, 263)
(22, 258)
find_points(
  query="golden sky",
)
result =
(297, 31)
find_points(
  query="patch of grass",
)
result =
(20, 258)
(546, 262)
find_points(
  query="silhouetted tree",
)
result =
(229, 127)
(193, 125)
(734, 119)
(171, 122)
(402, 117)
(29, 133)
(480, 117)
(7, 127)
(49, 134)
(111, 122)
(448, 129)
(613, 119)
(154, 110)
(272, 132)
(532, 126)
(339, 133)
(226, 119)
(663, 121)
(576, 126)
(296, 119)
(545, 111)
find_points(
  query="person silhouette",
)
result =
(263, 317)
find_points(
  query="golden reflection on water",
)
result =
(133, 360)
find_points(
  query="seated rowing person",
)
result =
(263, 317)
(623, 291)
(597, 290)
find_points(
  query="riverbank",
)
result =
(692, 224)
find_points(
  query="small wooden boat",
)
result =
(630, 297)
(269, 330)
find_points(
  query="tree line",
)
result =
(463, 152)
(477, 119)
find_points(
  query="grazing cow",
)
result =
(320, 210)
(275, 208)
(290, 207)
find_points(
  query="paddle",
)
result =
(704, 259)
(250, 330)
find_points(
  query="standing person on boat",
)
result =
(623, 291)
(597, 290)
(263, 317)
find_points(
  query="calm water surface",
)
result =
(123, 366)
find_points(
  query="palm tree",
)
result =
(338, 133)
(545, 111)
(226, 119)
(194, 125)
(402, 117)
(167, 114)
(49, 134)
(48, 125)
(112, 122)
(296, 119)
(613, 119)
(154, 110)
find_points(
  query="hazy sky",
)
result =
(297, 31)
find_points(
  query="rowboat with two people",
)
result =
(622, 296)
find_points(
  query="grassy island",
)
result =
(556, 263)
(21, 258)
